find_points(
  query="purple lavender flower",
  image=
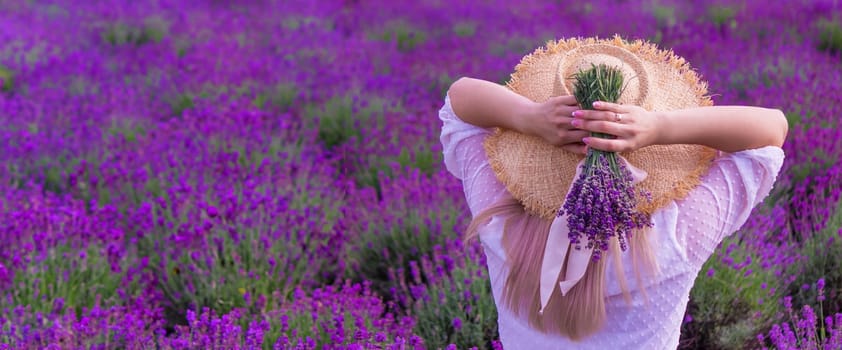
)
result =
(602, 204)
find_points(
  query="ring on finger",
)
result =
(618, 117)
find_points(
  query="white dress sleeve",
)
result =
(721, 204)
(465, 158)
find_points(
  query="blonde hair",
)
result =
(579, 313)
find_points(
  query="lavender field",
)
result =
(267, 174)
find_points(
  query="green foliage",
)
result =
(587, 8)
(383, 255)
(664, 15)
(235, 264)
(802, 172)
(336, 121)
(441, 84)
(7, 79)
(222, 285)
(296, 22)
(733, 305)
(180, 103)
(232, 273)
(281, 96)
(153, 30)
(181, 51)
(126, 129)
(156, 28)
(47, 171)
(309, 56)
(314, 325)
(830, 36)
(598, 83)
(465, 295)
(79, 86)
(764, 74)
(318, 315)
(515, 45)
(404, 34)
(822, 255)
(657, 37)
(803, 182)
(780, 69)
(793, 118)
(260, 96)
(340, 119)
(25, 52)
(53, 180)
(79, 277)
(720, 15)
(422, 158)
(464, 28)
(742, 83)
(504, 79)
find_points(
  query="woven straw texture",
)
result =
(539, 174)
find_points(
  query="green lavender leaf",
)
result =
(598, 83)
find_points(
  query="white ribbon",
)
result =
(558, 247)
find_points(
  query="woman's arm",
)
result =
(726, 128)
(486, 104)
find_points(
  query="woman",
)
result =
(703, 194)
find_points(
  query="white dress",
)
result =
(687, 232)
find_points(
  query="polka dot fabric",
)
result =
(686, 233)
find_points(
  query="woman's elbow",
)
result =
(458, 86)
(780, 128)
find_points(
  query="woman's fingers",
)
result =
(573, 136)
(601, 126)
(610, 145)
(603, 115)
(632, 126)
(567, 100)
(562, 122)
(571, 129)
(611, 107)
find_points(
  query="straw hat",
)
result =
(539, 174)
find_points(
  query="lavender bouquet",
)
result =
(602, 202)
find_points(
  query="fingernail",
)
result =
(586, 140)
(576, 122)
(597, 103)
(577, 113)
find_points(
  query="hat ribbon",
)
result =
(558, 247)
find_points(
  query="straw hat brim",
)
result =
(539, 174)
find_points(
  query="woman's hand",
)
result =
(486, 104)
(551, 120)
(633, 127)
(726, 128)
